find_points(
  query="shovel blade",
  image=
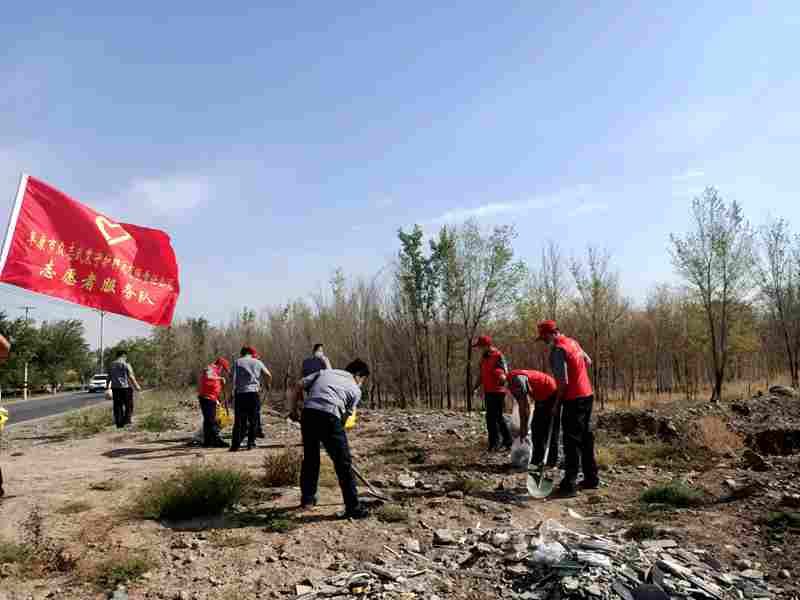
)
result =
(539, 487)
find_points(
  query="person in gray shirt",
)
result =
(249, 373)
(120, 377)
(333, 395)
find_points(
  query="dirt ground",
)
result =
(458, 486)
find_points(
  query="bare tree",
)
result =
(716, 258)
(487, 282)
(780, 288)
(601, 305)
(553, 281)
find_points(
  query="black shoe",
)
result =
(309, 504)
(357, 513)
(234, 449)
(2, 492)
(589, 485)
(218, 444)
(260, 434)
(507, 446)
(495, 448)
(564, 492)
(251, 446)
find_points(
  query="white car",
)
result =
(98, 383)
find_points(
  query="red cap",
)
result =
(483, 340)
(546, 328)
(252, 351)
(224, 364)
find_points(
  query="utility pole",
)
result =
(102, 318)
(27, 310)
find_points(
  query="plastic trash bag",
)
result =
(3, 418)
(109, 394)
(549, 553)
(521, 453)
(515, 418)
(351, 421)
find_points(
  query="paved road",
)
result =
(47, 407)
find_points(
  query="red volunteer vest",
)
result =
(542, 384)
(578, 384)
(210, 388)
(491, 368)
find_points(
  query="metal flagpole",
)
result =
(102, 317)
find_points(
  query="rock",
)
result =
(743, 565)
(754, 461)
(301, 589)
(500, 539)
(659, 544)
(783, 390)
(406, 481)
(184, 595)
(119, 594)
(412, 545)
(752, 574)
(594, 590)
(444, 537)
(570, 584)
(784, 574)
(456, 495)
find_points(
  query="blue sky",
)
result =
(277, 143)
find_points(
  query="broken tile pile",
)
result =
(540, 564)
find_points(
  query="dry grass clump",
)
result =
(712, 432)
(282, 469)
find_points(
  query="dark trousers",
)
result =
(246, 405)
(496, 425)
(541, 425)
(576, 419)
(210, 426)
(2, 492)
(259, 428)
(319, 427)
(123, 406)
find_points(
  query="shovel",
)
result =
(539, 487)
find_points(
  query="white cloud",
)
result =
(495, 209)
(588, 208)
(170, 195)
(688, 174)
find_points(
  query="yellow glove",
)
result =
(351, 421)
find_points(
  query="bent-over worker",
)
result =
(534, 387)
(333, 395)
(5, 350)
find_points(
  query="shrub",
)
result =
(194, 491)
(89, 422)
(673, 494)
(121, 568)
(468, 486)
(783, 520)
(653, 453)
(282, 469)
(159, 420)
(12, 552)
(392, 513)
(712, 432)
(278, 522)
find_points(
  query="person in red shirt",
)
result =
(570, 365)
(537, 388)
(212, 381)
(492, 377)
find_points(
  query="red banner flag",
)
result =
(59, 247)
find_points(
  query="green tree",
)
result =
(488, 281)
(716, 258)
(61, 347)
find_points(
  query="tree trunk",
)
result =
(447, 360)
(468, 387)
